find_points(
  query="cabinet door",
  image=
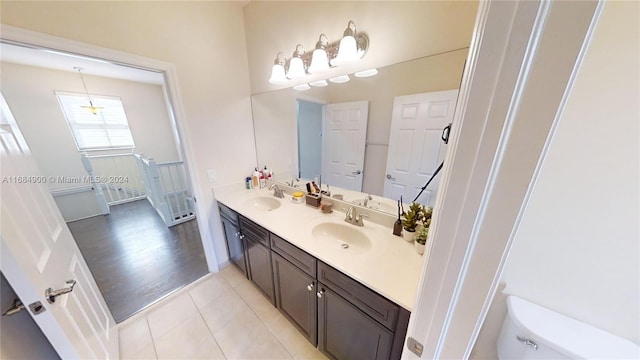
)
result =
(345, 332)
(295, 296)
(235, 248)
(259, 263)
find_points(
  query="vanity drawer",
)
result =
(255, 231)
(374, 305)
(299, 258)
(228, 213)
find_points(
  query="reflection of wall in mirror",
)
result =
(309, 139)
(275, 117)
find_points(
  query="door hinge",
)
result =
(414, 346)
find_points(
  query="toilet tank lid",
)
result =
(568, 336)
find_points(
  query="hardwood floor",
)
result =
(135, 258)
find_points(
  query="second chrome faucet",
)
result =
(352, 217)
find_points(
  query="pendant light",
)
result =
(319, 58)
(94, 109)
(277, 72)
(296, 65)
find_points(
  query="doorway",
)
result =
(309, 118)
(129, 232)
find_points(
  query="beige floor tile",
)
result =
(148, 353)
(170, 314)
(233, 276)
(243, 331)
(257, 301)
(209, 290)
(134, 336)
(311, 354)
(221, 310)
(289, 336)
(270, 349)
(264, 309)
(189, 340)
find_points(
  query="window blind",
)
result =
(107, 129)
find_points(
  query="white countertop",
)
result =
(390, 266)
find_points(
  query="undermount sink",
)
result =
(264, 203)
(345, 235)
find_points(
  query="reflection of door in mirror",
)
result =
(309, 118)
(415, 145)
(345, 133)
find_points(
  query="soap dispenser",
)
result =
(255, 179)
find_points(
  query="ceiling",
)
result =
(50, 59)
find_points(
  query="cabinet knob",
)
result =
(320, 293)
(241, 236)
(310, 287)
(238, 233)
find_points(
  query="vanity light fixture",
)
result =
(94, 109)
(319, 58)
(366, 73)
(296, 64)
(352, 46)
(278, 76)
(340, 79)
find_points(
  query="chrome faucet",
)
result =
(293, 183)
(366, 199)
(277, 192)
(354, 218)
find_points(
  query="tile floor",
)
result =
(220, 316)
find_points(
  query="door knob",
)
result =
(357, 172)
(389, 177)
(51, 294)
(16, 306)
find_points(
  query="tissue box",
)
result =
(313, 200)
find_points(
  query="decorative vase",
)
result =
(408, 235)
(419, 248)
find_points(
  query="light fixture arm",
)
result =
(84, 84)
(94, 109)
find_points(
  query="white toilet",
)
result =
(531, 331)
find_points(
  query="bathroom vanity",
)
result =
(348, 289)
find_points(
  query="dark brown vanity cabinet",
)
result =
(295, 286)
(256, 240)
(235, 246)
(343, 318)
(354, 322)
(345, 332)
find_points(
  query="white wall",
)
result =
(398, 30)
(577, 250)
(206, 43)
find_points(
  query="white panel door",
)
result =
(415, 144)
(39, 252)
(343, 146)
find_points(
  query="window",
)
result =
(107, 129)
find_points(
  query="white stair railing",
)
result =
(167, 189)
(115, 178)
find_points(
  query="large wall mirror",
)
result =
(297, 131)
